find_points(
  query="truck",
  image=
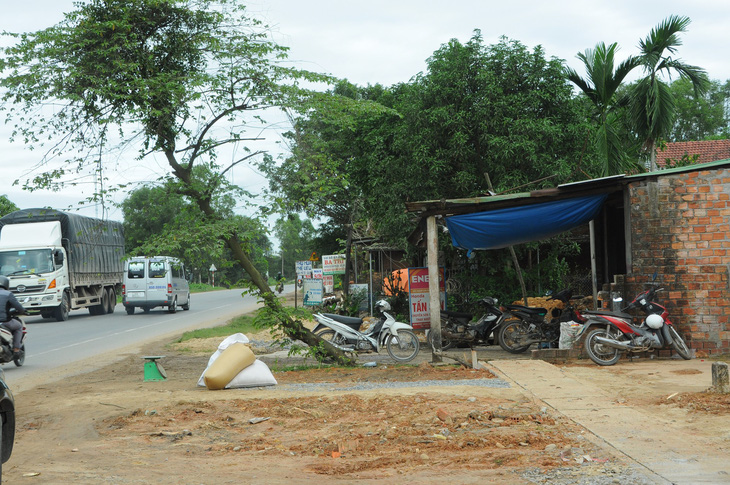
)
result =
(62, 261)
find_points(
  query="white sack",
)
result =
(256, 375)
(568, 334)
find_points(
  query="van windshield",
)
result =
(135, 269)
(157, 269)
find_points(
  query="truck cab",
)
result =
(156, 281)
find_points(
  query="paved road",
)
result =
(55, 349)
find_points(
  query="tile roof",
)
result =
(707, 151)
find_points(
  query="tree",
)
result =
(180, 78)
(296, 238)
(601, 87)
(6, 206)
(653, 108)
(699, 117)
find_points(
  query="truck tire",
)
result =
(112, 300)
(60, 313)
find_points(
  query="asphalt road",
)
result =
(55, 349)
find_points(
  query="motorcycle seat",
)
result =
(608, 313)
(527, 309)
(457, 315)
(349, 321)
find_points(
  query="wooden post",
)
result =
(433, 288)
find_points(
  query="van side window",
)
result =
(135, 270)
(157, 269)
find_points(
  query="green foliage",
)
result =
(699, 117)
(6, 206)
(243, 324)
(296, 240)
(653, 108)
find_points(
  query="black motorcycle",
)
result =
(457, 329)
(524, 326)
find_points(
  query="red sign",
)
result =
(419, 297)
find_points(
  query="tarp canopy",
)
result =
(501, 228)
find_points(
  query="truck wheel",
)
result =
(130, 310)
(112, 300)
(60, 313)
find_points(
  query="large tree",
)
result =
(602, 88)
(699, 117)
(653, 108)
(177, 78)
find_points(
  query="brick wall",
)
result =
(680, 228)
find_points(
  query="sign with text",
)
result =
(312, 291)
(333, 264)
(304, 268)
(329, 283)
(317, 273)
(419, 297)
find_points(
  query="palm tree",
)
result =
(652, 104)
(601, 88)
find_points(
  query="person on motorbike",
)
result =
(280, 282)
(7, 300)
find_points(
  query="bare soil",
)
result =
(109, 426)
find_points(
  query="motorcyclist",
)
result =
(7, 300)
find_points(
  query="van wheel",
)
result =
(130, 310)
(186, 306)
(173, 306)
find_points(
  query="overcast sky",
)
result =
(388, 42)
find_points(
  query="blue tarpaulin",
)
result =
(515, 225)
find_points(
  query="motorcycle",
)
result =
(618, 333)
(458, 330)
(524, 326)
(6, 341)
(344, 333)
(280, 286)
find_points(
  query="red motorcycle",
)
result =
(617, 333)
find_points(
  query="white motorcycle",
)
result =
(6, 342)
(343, 332)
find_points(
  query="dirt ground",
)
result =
(109, 426)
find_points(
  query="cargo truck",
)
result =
(61, 261)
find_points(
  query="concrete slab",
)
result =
(646, 439)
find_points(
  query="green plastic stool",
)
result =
(153, 370)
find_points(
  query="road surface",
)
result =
(57, 349)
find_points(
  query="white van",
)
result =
(155, 281)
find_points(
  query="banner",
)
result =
(329, 283)
(419, 296)
(333, 264)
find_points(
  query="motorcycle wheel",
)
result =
(332, 337)
(599, 353)
(404, 346)
(446, 344)
(678, 344)
(20, 360)
(509, 335)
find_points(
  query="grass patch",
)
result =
(241, 324)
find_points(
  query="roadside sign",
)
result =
(303, 267)
(333, 264)
(419, 296)
(312, 291)
(317, 273)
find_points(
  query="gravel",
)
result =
(368, 386)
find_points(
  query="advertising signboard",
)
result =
(312, 291)
(333, 264)
(304, 268)
(419, 297)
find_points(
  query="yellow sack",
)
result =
(227, 366)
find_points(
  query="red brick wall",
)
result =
(680, 228)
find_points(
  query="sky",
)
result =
(388, 42)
